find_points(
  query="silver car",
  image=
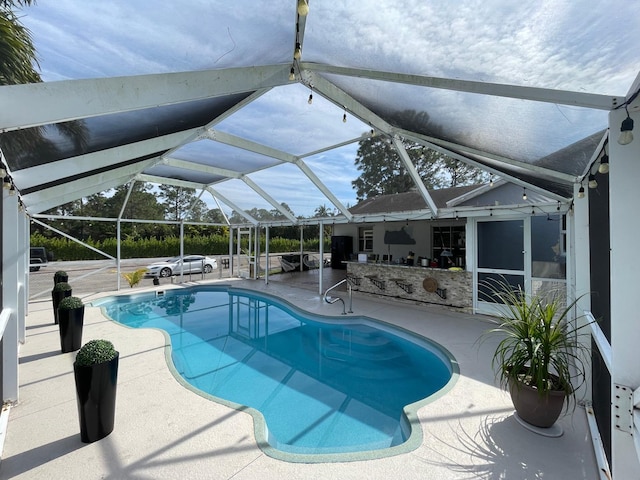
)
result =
(188, 264)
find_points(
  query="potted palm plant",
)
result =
(539, 358)
(70, 320)
(96, 376)
(60, 291)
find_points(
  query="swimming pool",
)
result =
(323, 385)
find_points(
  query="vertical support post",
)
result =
(10, 278)
(23, 269)
(256, 253)
(182, 250)
(579, 271)
(230, 251)
(238, 249)
(118, 251)
(301, 247)
(321, 253)
(266, 253)
(27, 290)
(624, 197)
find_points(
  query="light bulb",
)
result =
(6, 182)
(593, 183)
(626, 136)
(292, 74)
(303, 8)
(344, 117)
(491, 181)
(310, 101)
(581, 192)
(604, 164)
(297, 53)
(524, 194)
(12, 191)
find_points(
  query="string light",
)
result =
(593, 183)
(626, 137)
(310, 101)
(6, 182)
(303, 8)
(581, 192)
(491, 180)
(344, 117)
(297, 52)
(524, 193)
(604, 164)
(292, 74)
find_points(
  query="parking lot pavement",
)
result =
(92, 276)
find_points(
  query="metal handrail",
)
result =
(332, 300)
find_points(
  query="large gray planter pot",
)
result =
(538, 410)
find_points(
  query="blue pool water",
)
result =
(323, 384)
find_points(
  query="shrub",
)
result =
(134, 277)
(94, 352)
(70, 303)
(60, 273)
(62, 287)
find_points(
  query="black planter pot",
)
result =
(96, 396)
(71, 322)
(56, 298)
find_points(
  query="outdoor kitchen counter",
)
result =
(423, 284)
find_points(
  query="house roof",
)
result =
(211, 103)
(408, 201)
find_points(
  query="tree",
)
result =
(384, 173)
(17, 52)
(181, 202)
(322, 211)
(18, 65)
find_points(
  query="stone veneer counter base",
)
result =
(423, 284)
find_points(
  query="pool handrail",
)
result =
(329, 299)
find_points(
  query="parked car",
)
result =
(174, 266)
(37, 258)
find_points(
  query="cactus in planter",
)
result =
(60, 291)
(96, 376)
(71, 321)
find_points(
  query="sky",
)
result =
(576, 45)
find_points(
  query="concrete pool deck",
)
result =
(164, 430)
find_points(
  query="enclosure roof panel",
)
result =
(207, 94)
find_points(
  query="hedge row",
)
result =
(64, 249)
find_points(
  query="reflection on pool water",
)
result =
(323, 384)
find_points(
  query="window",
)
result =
(365, 239)
(451, 239)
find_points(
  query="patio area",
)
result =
(164, 430)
